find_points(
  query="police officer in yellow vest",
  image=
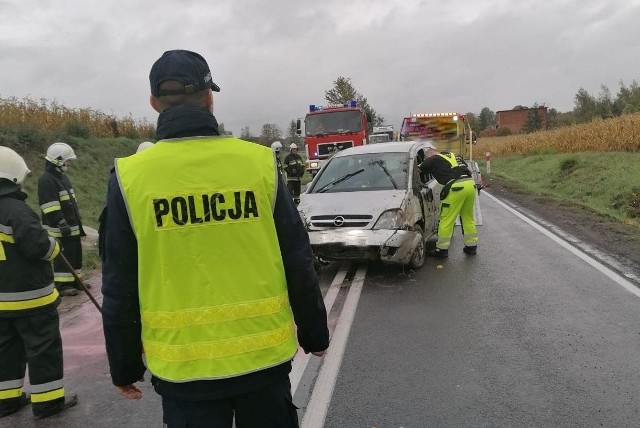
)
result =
(29, 325)
(456, 199)
(206, 264)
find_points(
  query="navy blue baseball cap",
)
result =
(186, 67)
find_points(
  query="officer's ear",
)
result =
(154, 103)
(209, 101)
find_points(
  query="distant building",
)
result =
(514, 120)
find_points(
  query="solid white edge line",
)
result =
(627, 285)
(478, 210)
(301, 360)
(318, 405)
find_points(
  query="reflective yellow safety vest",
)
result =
(450, 157)
(212, 287)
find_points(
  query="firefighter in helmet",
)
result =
(29, 324)
(276, 146)
(60, 215)
(294, 167)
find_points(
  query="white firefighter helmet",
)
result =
(12, 166)
(293, 146)
(143, 146)
(59, 153)
(276, 146)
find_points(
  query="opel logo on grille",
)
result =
(338, 221)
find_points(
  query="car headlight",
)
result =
(302, 216)
(313, 165)
(390, 219)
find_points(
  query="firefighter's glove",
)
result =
(65, 230)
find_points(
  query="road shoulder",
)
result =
(608, 235)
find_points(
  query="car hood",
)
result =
(371, 203)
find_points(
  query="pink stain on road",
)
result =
(81, 328)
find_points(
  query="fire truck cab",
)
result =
(329, 129)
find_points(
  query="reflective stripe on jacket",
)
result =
(57, 201)
(26, 252)
(212, 288)
(294, 167)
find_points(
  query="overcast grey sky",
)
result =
(274, 58)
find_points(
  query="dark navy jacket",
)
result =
(24, 261)
(121, 310)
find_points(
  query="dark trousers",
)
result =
(72, 251)
(294, 188)
(32, 340)
(271, 407)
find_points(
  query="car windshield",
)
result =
(364, 172)
(333, 122)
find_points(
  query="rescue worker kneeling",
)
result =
(29, 324)
(456, 199)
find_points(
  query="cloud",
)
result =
(273, 59)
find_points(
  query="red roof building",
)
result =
(514, 120)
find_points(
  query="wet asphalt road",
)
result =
(525, 334)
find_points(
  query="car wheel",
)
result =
(417, 259)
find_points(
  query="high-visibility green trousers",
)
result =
(459, 202)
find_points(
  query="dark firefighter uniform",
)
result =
(203, 269)
(279, 164)
(456, 199)
(61, 219)
(294, 167)
(29, 325)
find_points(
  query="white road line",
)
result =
(627, 285)
(301, 359)
(316, 411)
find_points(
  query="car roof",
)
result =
(391, 147)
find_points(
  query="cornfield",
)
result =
(48, 116)
(620, 134)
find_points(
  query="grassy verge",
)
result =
(607, 183)
(88, 174)
(90, 260)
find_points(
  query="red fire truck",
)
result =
(328, 129)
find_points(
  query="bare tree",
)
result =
(343, 91)
(245, 134)
(270, 133)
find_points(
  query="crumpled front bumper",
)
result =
(394, 246)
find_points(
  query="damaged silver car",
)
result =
(373, 203)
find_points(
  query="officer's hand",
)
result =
(130, 392)
(65, 230)
(319, 353)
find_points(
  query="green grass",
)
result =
(607, 183)
(90, 260)
(88, 174)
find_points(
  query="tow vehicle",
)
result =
(448, 131)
